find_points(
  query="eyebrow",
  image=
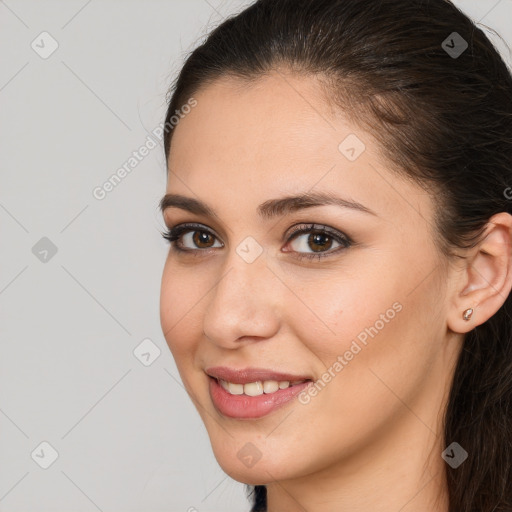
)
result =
(268, 209)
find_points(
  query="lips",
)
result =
(246, 375)
(244, 407)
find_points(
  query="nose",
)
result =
(243, 305)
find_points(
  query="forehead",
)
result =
(255, 119)
(278, 135)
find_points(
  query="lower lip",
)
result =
(244, 406)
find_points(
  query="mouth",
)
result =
(252, 393)
(258, 387)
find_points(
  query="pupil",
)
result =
(318, 237)
(200, 237)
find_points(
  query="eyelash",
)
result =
(174, 234)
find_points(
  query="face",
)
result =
(349, 295)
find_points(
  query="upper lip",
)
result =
(245, 375)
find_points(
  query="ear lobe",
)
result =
(487, 276)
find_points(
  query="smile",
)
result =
(257, 388)
(254, 402)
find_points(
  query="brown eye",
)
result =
(202, 237)
(190, 238)
(318, 241)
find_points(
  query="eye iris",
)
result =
(200, 237)
(316, 239)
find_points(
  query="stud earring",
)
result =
(467, 314)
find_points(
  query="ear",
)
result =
(486, 279)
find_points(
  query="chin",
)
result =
(251, 476)
(260, 473)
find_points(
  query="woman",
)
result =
(337, 291)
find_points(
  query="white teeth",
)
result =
(253, 388)
(234, 389)
(270, 386)
(256, 388)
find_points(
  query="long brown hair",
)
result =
(432, 88)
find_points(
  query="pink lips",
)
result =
(251, 407)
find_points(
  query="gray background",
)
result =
(127, 436)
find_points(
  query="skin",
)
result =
(371, 440)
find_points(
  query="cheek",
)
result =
(339, 307)
(362, 327)
(382, 341)
(177, 302)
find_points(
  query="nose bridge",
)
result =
(243, 302)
